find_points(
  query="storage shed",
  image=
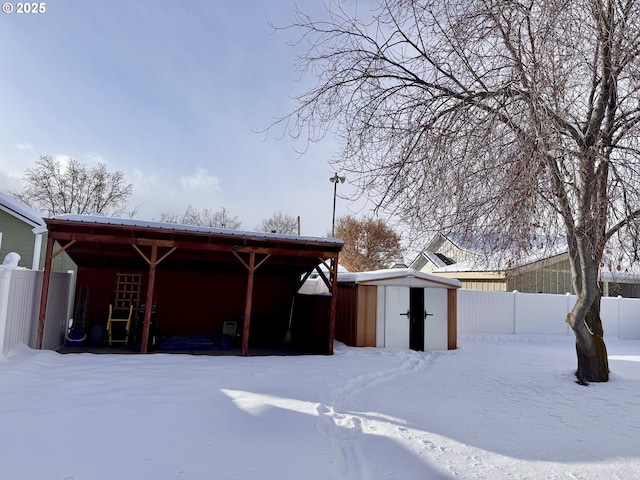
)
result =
(197, 280)
(399, 307)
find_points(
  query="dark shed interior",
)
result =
(198, 278)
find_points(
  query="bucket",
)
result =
(76, 338)
(98, 335)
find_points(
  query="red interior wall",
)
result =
(99, 284)
(198, 303)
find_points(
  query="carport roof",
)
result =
(150, 226)
(93, 240)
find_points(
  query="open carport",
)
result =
(198, 278)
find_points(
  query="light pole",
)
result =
(335, 179)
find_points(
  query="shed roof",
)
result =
(392, 274)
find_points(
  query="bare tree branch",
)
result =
(56, 186)
(516, 119)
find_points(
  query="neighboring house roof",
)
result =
(426, 257)
(480, 259)
(438, 259)
(21, 210)
(479, 244)
(496, 263)
(552, 252)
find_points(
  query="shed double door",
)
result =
(416, 318)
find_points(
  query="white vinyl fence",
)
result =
(540, 314)
(20, 305)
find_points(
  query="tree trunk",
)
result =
(593, 364)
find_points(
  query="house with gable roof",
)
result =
(22, 230)
(544, 270)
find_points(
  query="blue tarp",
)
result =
(196, 342)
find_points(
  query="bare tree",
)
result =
(55, 187)
(369, 244)
(279, 223)
(518, 119)
(204, 218)
(220, 219)
(190, 216)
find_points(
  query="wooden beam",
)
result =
(137, 249)
(325, 263)
(147, 259)
(91, 237)
(334, 302)
(149, 301)
(44, 294)
(245, 263)
(62, 249)
(241, 260)
(247, 305)
(326, 281)
(304, 278)
(258, 250)
(167, 254)
(149, 242)
(251, 267)
(452, 318)
(262, 261)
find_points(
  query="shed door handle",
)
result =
(407, 314)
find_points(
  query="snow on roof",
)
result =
(628, 274)
(497, 261)
(478, 244)
(434, 258)
(341, 269)
(485, 243)
(21, 210)
(394, 273)
(128, 222)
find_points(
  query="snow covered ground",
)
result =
(496, 408)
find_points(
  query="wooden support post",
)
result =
(44, 294)
(149, 301)
(452, 318)
(247, 305)
(334, 302)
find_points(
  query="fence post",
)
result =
(618, 302)
(515, 310)
(9, 264)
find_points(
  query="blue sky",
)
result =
(171, 93)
